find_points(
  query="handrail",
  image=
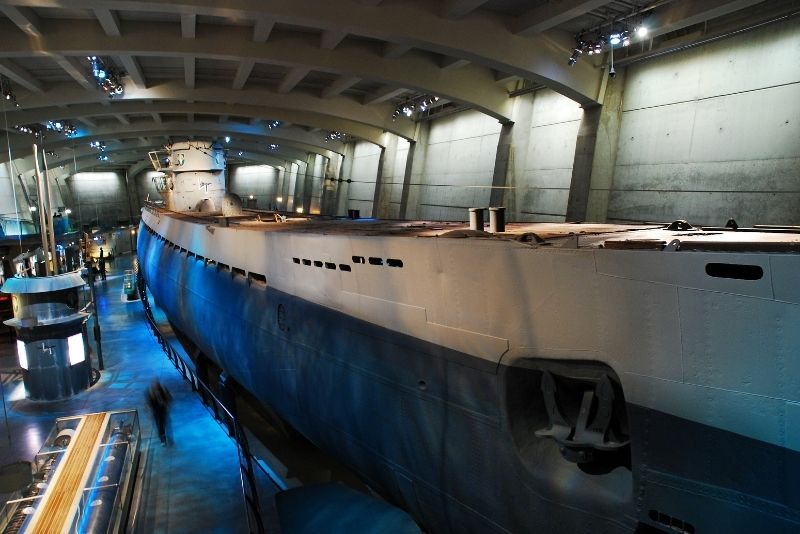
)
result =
(220, 412)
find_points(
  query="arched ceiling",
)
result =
(207, 68)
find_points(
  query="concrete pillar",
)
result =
(413, 176)
(342, 192)
(582, 166)
(605, 151)
(380, 199)
(501, 165)
(518, 138)
(308, 182)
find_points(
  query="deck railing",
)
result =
(221, 413)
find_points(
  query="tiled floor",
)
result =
(193, 485)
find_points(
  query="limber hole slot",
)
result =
(258, 279)
(735, 271)
(344, 267)
(317, 263)
(393, 262)
(306, 262)
(358, 259)
(329, 265)
(375, 261)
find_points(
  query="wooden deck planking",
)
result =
(57, 509)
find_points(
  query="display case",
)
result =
(104, 475)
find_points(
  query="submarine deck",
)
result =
(645, 236)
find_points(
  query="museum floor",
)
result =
(193, 484)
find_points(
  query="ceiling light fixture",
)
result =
(272, 124)
(8, 94)
(615, 32)
(107, 78)
(420, 104)
(334, 136)
(273, 146)
(99, 145)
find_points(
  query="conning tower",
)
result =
(194, 176)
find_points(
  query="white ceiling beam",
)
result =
(455, 9)
(551, 14)
(383, 94)
(190, 117)
(133, 69)
(682, 13)
(395, 50)
(342, 83)
(538, 58)
(298, 108)
(223, 119)
(448, 62)
(188, 71)
(122, 118)
(242, 73)
(262, 29)
(21, 76)
(108, 20)
(88, 122)
(472, 85)
(292, 78)
(74, 68)
(331, 38)
(25, 19)
(295, 143)
(156, 117)
(188, 25)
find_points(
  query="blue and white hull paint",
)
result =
(418, 357)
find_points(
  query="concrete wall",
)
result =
(457, 168)
(261, 181)
(363, 172)
(713, 132)
(542, 156)
(101, 197)
(392, 172)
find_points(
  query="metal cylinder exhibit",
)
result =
(51, 344)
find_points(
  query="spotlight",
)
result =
(67, 211)
(273, 146)
(641, 31)
(614, 39)
(33, 208)
(227, 139)
(626, 41)
(108, 79)
(241, 153)
(612, 72)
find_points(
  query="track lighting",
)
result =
(107, 78)
(420, 103)
(334, 136)
(273, 124)
(610, 34)
(99, 145)
(273, 146)
(8, 95)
